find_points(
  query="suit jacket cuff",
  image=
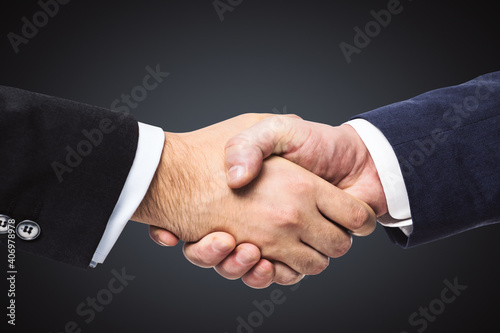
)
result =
(147, 158)
(390, 175)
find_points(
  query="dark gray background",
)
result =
(264, 55)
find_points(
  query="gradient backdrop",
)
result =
(265, 56)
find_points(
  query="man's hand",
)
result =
(286, 212)
(336, 154)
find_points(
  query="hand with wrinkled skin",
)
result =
(336, 154)
(286, 211)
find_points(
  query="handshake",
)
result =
(266, 198)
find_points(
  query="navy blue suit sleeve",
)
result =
(64, 165)
(448, 145)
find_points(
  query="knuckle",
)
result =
(343, 248)
(277, 123)
(288, 278)
(285, 216)
(267, 132)
(237, 140)
(318, 266)
(360, 217)
(232, 270)
(302, 186)
(246, 256)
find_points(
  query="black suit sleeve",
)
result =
(64, 165)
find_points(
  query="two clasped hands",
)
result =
(262, 197)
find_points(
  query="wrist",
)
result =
(166, 195)
(366, 173)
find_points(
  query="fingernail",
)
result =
(220, 246)
(161, 243)
(244, 257)
(235, 172)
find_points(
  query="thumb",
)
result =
(246, 151)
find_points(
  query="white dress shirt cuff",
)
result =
(390, 175)
(147, 158)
